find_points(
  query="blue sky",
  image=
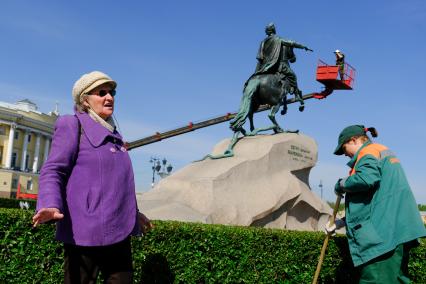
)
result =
(181, 61)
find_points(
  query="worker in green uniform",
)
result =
(381, 216)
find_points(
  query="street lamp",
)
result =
(160, 167)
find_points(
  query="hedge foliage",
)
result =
(176, 252)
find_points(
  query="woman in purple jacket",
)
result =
(87, 186)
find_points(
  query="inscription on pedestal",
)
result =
(300, 154)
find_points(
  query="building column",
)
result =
(10, 146)
(24, 150)
(36, 153)
(46, 148)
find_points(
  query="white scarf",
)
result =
(108, 124)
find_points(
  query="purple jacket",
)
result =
(90, 179)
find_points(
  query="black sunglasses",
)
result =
(103, 93)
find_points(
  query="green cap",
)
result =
(346, 135)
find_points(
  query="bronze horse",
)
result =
(262, 89)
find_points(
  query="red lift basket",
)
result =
(330, 77)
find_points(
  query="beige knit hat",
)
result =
(88, 82)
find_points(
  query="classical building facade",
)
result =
(25, 137)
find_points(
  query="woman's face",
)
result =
(101, 100)
(351, 147)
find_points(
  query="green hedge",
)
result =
(14, 203)
(191, 253)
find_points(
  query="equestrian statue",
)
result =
(270, 84)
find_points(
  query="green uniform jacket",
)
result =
(381, 211)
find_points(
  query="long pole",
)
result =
(325, 244)
(223, 118)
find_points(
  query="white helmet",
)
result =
(337, 51)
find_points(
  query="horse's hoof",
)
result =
(301, 108)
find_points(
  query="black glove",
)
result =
(338, 188)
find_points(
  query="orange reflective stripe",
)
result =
(372, 149)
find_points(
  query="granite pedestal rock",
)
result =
(264, 184)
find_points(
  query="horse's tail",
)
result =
(247, 82)
(250, 88)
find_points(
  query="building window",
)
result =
(2, 130)
(16, 135)
(29, 138)
(14, 183)
(27, 159)
(13, 162)
(29, 185)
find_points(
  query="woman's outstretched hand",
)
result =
(47, 214)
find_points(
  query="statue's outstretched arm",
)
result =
(295, 44)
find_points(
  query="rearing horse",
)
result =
(270, 89)
(260, 89)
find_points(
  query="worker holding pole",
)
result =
(381, 216)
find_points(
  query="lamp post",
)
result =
(160, 167)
